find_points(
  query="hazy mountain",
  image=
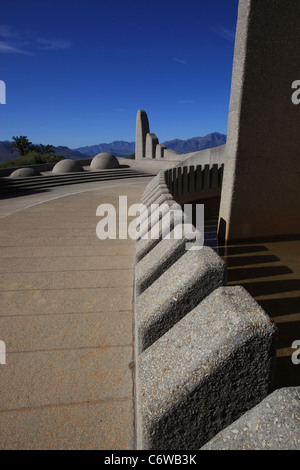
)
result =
(70, 153)
(120, 148)
(5, 152)
(196, 143)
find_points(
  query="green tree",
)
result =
(132, 156)
(46, 149)
(21, 144)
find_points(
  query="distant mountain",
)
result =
(70, 153)
(5, 152)
(195, 144)
(121, 148)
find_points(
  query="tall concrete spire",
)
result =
(260, 194)
(142, 129)
(151, 143)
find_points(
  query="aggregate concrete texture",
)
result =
(66, 313)
(262, 165)
(274, 424)
(142, 128)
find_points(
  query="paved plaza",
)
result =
(66, 319)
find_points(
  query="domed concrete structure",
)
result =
(67, 166)
(24, 173)
(104, 161)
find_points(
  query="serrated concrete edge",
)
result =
(273, 424)
(156, 280)
(160, 259)
(175, 293)
(212, 366)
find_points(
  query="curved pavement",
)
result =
(66, 303)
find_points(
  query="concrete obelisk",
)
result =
(260, 194)
(142, 129)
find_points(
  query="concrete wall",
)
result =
(211, 156)
(151, 143)
(191, 183)
(262, 170)
(204, 352)
(142, 129)
(152, 166)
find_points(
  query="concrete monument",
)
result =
(262, 160)
(142, 129)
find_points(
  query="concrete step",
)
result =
(38, 182)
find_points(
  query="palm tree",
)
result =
(21, 144)
(46, 149)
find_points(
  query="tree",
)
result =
(131, 156)
(21, 144)
(46, 149)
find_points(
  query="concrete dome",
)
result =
(103, 161)
(24, 173)
(67, 166)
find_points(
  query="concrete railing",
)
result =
(190, 183)
(204, 352)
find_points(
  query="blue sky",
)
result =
(76, 72)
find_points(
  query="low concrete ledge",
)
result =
(157, 210)
(274, 424)
(146, 208)
(163, 227)
(175, 293)
(155, 193)
(156, 180)
(156, 184)
(161, 258)
(211, 367)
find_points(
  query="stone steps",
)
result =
(8, 185)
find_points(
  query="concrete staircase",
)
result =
(8, 185)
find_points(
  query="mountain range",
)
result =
(121, 148)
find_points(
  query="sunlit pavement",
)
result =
(66, 320)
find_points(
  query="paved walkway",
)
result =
(66, 315)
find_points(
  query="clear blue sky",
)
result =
(77, 71)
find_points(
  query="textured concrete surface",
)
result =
(212, 366)
(154, 193)
(67, 166)
(274, 424)
(24, 172)
(142, 128)
(151, 143)
(163, 255)
(164, 227)
(157, 211)
(262, 164)
(104, 160)
(66, 302)
(175, 293)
